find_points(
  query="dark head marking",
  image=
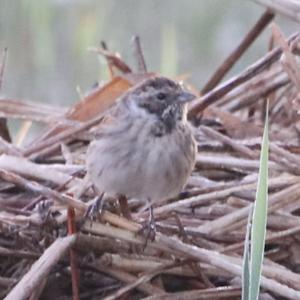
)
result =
(164, 98)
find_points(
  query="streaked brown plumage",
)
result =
(145, 148)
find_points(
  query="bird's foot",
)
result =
(94, 210)
(149, 229)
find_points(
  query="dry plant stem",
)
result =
(225, 262)
(256, 85)
(2, 67)
(110, 67)
(204, 240)
(254, 95)
(228, 141)
(36, 200)
(221, 224)
(226, 292)
(73, 258)
(132, 282)
(280, 274)
(125, 235)
(18, 109)
(283, 219)
(281, 152)
(289, 62)
(109, 231)
(284, 164)
(64, 199)
(271, 237)
(7, 282)
(249, 38)
(275, 272)
(173, 245)
(54, 142)
(141, 264)
(41, 269)
(8, 148)
(4, 133)
(141, 64)
(221, 90)
(143, 279)
(200, 199)
(17, 253)
(272, 97)
(36, 295)
(288, 8)
(113, 59)
(42, 190)
(110, 218)
(27, 168)
(98, 244)
(284, 93)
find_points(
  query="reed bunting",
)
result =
(144, 148)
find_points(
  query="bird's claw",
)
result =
(149, 229)
(94, 210)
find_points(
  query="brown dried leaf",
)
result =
(98, 100)
(102, 98)
(113, 59)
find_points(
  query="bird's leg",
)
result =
(151, 232)
(149, 228)
(124, 208)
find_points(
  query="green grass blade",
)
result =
(258, 230)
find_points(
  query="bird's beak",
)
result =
(185, 97)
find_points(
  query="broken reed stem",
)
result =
(4, 133)
(206, 225)
(113, 60)
(288, 60)
(110, 68)
(214, 95)
(41, 269)
(42, 190)
(287, 8)
(139, 56)
(54, 142)
(3, 64)
(229, 62)
(211, 293)
(73, 257)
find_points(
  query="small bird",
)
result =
(144, 148)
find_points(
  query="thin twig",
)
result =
(288, 8)
(73, 257)
(229, 62)
(221, 90)
(41, 269)
(139, 56)
(2, 66)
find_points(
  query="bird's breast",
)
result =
(140, 164)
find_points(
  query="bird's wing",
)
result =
(109, 123)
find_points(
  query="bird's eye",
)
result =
(161, 96)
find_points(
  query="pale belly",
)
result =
(154, 169)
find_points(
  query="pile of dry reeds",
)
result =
(47, 252)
